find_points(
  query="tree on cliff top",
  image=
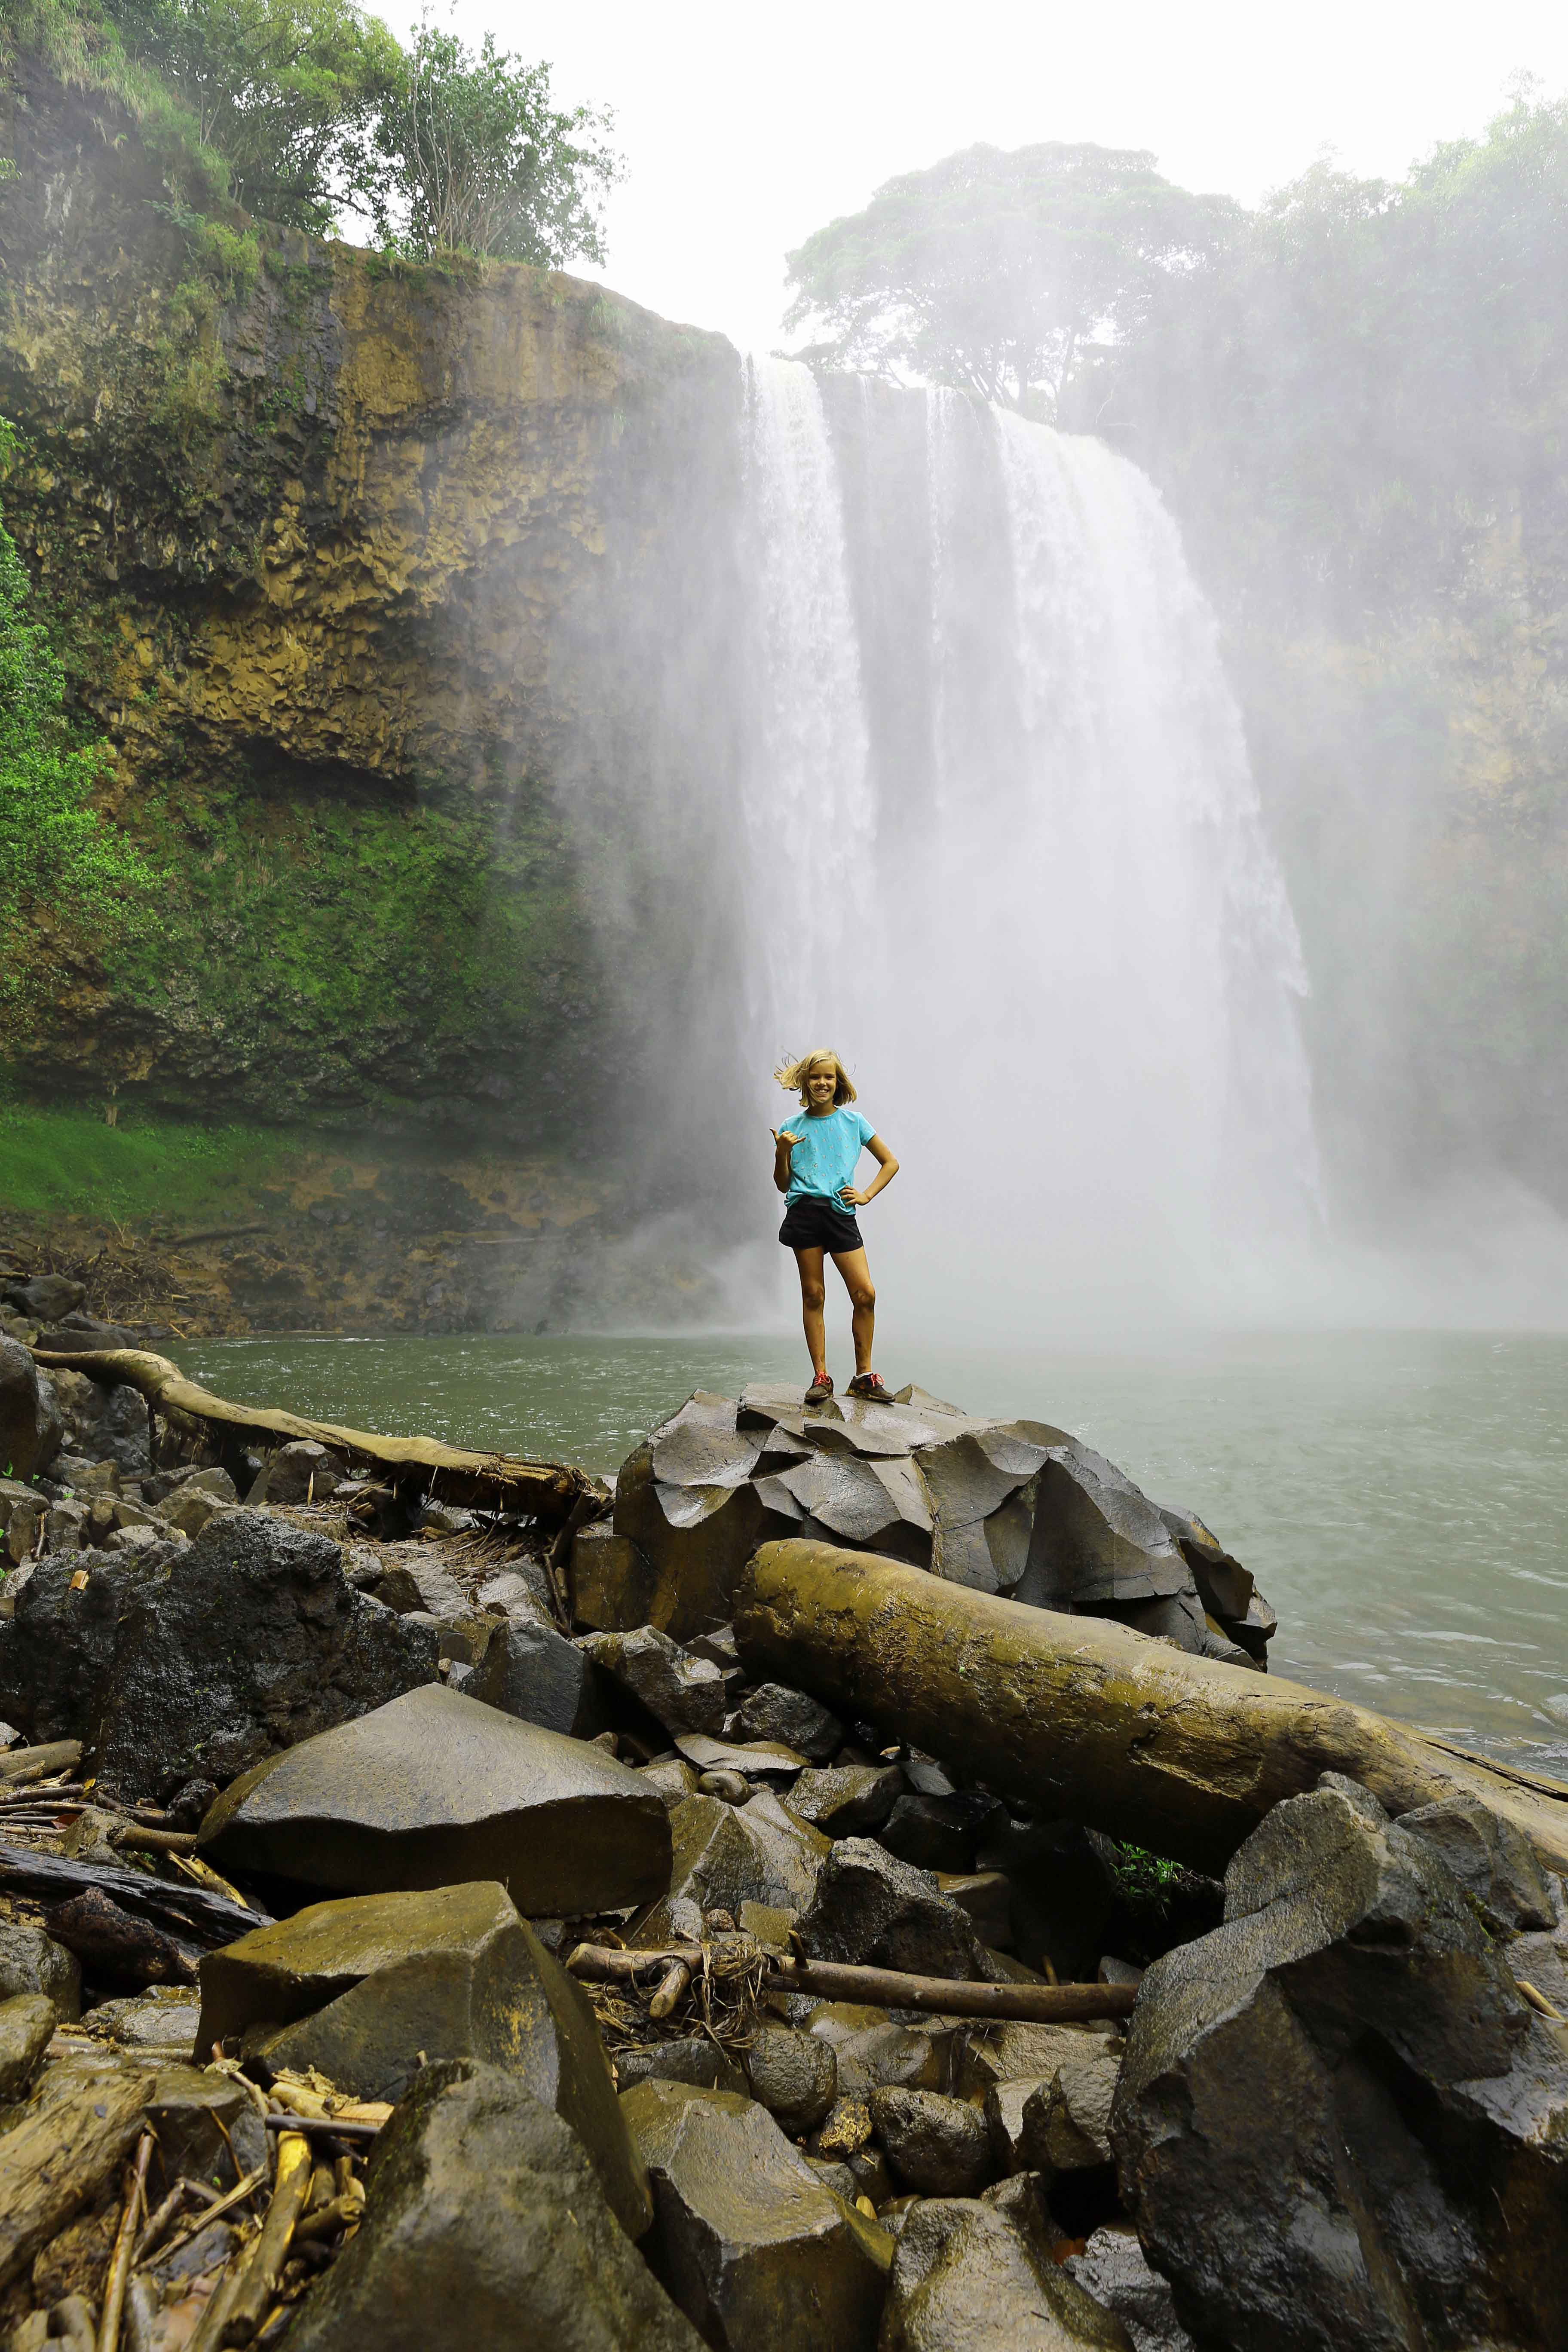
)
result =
(283, 89)
(468, 154)
(997, 272)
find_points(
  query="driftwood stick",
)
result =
(879, 1987)
(21, 1764)
(548, 1490)
(125, 2240)
(671, 1989)
(158, 2220)
(257, 2288)
(217, 2206)
(137, 1838)
(322, 2126)
(189, 1913)
(1086, 1719)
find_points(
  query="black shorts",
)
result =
(813, 1223)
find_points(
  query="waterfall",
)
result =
(1001, 845)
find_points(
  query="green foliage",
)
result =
(284, 89)
(78, 44)
(60, 1158)
(1000, 272)
(1147, 1880)
(470, 155)
(62, 866)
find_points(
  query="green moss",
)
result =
(55, 1159)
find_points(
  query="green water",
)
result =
(1402, 1500)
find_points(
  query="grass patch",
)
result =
(57, 1160)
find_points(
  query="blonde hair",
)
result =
(793, 1075)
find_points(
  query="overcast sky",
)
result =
(743, 133)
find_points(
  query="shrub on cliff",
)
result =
(62, 866)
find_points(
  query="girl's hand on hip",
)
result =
(854, 1195)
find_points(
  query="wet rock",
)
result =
(672, 1776)
(1338, 2121)
(486, 2224)
(45, 1298)
(756, 2250)
(24, 1423)
(369, 1989)
(1013, 2051)
(1098, 1545)
(206, 2125)
(774, 1711)
(252, 1641)
(871, 1909)
(1115, 2270)
(967, 2278)
(436, 1786)
(683, 1501)
(699, 2061)
(55, 1649)
(302, 1471)
(873, 2052)
(844, 2130)
(758, 1760)
(1494, 1862)
(521, 1589)
(724, 1856)
(681, 1692)
(110, 1424)
(22, 1513)
(27, 2021)
(938, 2147)
(1225, 1588)
(1067, 2121)
(847, 1799)
(870, 1505)
(980, 1481)
(531, 1671)
(935, 1833)
(1004, 2109)
(793, 2074)
(163, 2017)
(190, 1510)
(612, 1584)
(32, 1962)
(986, 1896)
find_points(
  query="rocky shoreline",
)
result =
(445, 1923)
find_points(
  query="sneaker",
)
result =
(820, 1389)
(871, 1388)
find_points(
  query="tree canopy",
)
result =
(471, 155)
(999, 272)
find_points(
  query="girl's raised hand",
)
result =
(782, 1134)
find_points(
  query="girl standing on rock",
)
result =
(814, 1165)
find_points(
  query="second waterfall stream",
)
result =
(1001, 845)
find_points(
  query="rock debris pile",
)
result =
(427, 1926)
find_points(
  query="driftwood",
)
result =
(1081, 1716)
(549, 1491)
(880, 1988)
(52, 2164)
(257, 2287)
(112, 1943)
(22, 1764)
(124, 2242)
(189, 1914)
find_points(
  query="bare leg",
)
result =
(852, 1265)
(813, 1299)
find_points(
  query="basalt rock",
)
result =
(487, 2223)
(938, 2147)
(56, 1649)
(531, 1671)
(847, 1799)
(726, 1855)
(968, 2278)
(1114, 2269)
(436, 1788)
(1065, 2122)
(753, 2245)
(254, 1640)
(1491, 1858)
(774, 1711)
(682, 1693)
(370, 1990)
(1337, 2120)
(793, 2074)
(32, 1962)
(27, 2023)
(872, 1910)
(30, 1427)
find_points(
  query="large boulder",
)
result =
(30, 1427)
(45, 1298)
(56, 1649)
(1493, 1861)
(758, 2252)
(435, 1788)
(681, 1691)
(685, 1501)
(1337, 2120)
(109, 1422)
(982, 1484)
(370, 1990)
(253, 1640)
(968, 2277)
(725, 1855)
(872, 1910)
(531, 1671)
(846, 1798)
(486, 2226)
(1098, 1545)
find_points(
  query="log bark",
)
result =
(51, 2163)
(189, 1914)
(549, 1491)
(1079, 1717)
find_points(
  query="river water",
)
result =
(1402, 1498)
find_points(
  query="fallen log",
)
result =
(189, 1914)
(22, 1764)
(1081, 1716)
(879, 1987)
(549, 1491)
(53, 2163)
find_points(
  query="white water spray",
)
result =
(1060, 959)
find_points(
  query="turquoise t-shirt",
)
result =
(826, 1158)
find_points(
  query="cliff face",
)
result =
(355, 564)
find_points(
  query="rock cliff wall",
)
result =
(356, 565)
